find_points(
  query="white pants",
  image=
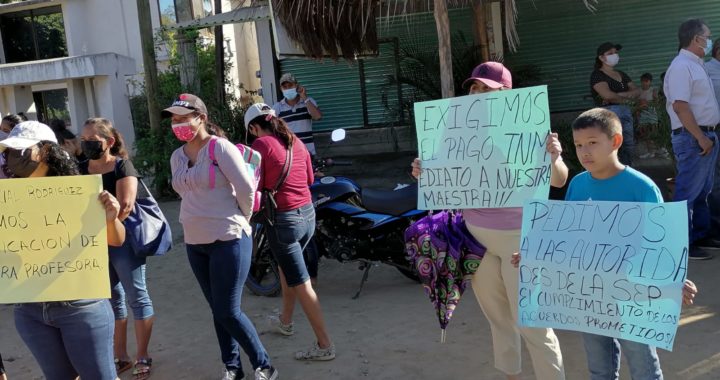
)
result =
(496, 287)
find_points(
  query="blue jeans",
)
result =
(221, 269)
(69, 339)
(627, 150)
(694, 180)
(603, 358)
(127, 274)
(288, 237)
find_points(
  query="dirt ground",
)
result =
(390, 332)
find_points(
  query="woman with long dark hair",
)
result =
(104, 148)
(70, 338)
(287, 173)
(215, 218)
(614, 90)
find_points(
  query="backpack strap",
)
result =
(211, 153)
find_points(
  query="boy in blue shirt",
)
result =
(597, 134)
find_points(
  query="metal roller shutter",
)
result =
(336, 85)
(561, 37)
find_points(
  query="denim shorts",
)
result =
(288, 237)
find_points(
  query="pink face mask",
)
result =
(184, 131)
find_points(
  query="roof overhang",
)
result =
(235, 16)
(61, 69)
(20, 5)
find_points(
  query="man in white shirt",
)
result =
(298, 110)
(694, 115)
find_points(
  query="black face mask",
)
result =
(92, 149)
(20, 163)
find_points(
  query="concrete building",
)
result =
(74, 59)
(70, 59)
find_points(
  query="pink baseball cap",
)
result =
(493, 74)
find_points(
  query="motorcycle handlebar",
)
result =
(330, 162)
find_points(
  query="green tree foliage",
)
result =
(154, 148)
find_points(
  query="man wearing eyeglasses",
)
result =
(694, 116)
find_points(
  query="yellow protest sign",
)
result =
(53, 242)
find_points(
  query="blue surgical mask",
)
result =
(708, 46)
(290, 93)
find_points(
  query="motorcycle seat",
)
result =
(392, 202)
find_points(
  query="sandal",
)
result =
(141, 369)
(122, 365)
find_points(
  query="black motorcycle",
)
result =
(353, 224)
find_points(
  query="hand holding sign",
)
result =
(484, 151)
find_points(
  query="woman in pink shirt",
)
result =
(217, 232)
(495, 283)
(294, 218)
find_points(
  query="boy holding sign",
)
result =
(597, 134)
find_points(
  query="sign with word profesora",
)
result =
(53, 242)
(483, 151)
(609, 268)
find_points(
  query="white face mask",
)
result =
(612, 59)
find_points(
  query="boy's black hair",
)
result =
(600, 118)
(646, 76)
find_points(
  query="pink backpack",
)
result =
(252, 160)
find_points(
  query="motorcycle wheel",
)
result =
(264, 277)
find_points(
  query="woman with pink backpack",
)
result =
(215, 213)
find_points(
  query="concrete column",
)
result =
(77, 103)
(23, 102)
(6, 97)
(268, 64)
(112, 103)
(90, 96)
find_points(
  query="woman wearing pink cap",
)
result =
(217, 232)
(495, 283)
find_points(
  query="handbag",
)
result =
(268, 196)
(146, 229)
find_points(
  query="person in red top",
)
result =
(294, 222)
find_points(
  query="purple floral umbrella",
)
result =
(445, 255)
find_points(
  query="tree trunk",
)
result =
(148, 52)
(219, 57)
(481, 34)
(442, 22)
